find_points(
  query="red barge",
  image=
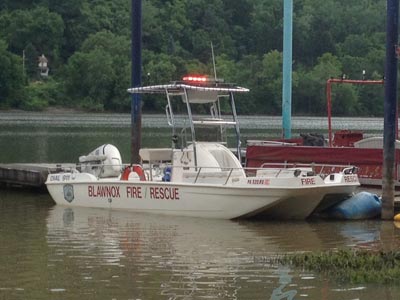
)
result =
(344, 148)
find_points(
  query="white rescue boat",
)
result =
(197, 178)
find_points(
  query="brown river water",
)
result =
(53, 252)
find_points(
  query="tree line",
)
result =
(87, 44)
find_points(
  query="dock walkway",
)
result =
(28, 175)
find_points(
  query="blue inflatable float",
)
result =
(363, 205)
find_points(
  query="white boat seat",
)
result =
(156, 154)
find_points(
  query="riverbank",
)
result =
(354, 266)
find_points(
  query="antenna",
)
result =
(213, 59)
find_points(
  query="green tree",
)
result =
(371, 99)
(116, 45)
(76, 30)
(226, 68)
(11, 78)
(330, 38)
(318, 23)
(271, 76)
(152, 27)
(113, 16)
(345, 100)
(362, 52)
(42, 94)
(20, 4)
(265, 31)
(158, 68)
(309, 95)
(209, 24)
(37, 28)
(90, 79)
(96, 73)
(249, 68)
(30, 55)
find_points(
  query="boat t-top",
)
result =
(198, 175)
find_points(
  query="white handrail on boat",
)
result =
(269, 143)
(348, 169)
(213, 122)
(221, 173)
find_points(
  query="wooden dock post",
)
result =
(390, 108)
(136, 103)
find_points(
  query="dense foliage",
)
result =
(87, 43)
(349, 265)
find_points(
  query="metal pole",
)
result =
(192, 129)
(23, 64)
(329, 105)
(136, 109)
(287, 69)
(390, 108)
(237, 128)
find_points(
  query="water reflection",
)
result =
(284, 281)
(170, 257)
(125, 254)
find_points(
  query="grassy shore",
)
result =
(355, 266)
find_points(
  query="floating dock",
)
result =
(28, 175)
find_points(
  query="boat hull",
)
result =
(284, 198)
(367, 160)
(163, 198)
(305, 203)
